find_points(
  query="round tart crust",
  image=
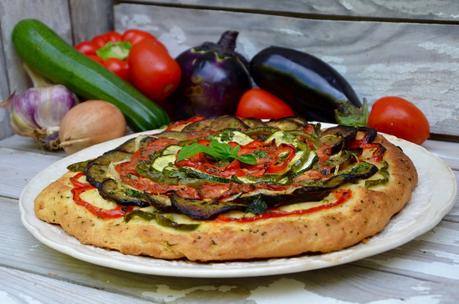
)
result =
(365, 214)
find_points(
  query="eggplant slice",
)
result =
(315, 191)
(217, 124)
(204, 209)
(112, 190)
(209, 209)
(338, 137)
(287, 124)
(96, 170)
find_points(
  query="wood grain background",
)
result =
(413, 60)
(79, 19)
(418, 10)
(404, 48)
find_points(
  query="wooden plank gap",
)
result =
(72, 34)
(403, 275)
(90, 18)
(444, 137)
(3, 61)
(330, 17)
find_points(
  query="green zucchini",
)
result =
(48, 54)
(163, 161)
(193, 173)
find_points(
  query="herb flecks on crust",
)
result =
(326, 189)
(204, 168)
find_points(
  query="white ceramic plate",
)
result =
(432, 199)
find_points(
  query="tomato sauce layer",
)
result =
(79, 188)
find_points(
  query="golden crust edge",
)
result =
(331, 230)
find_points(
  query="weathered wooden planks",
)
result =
(447, 10)
(346, 283)
(416, 61)
(90, 18)
(18, 168)
(55, 13)
(23, 287)
(5, 129)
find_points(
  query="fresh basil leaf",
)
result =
(217, 150)
(191, 150)
(249, 159)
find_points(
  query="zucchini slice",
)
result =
(234, 136)
(193, 173)
(162, 162)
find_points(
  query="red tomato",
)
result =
(399, 117)
(152, 70)
(117, 66)
(258, 103)
(86, 48)
(135, 36)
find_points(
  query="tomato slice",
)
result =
(281, 160)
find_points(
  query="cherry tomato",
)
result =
(399, 117)
(152, 70)
(117, 66)
(258, 103)
(86, 48)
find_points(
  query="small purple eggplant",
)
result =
(214, 77)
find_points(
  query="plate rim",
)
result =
(211, 270)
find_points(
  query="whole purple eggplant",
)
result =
(214, 77)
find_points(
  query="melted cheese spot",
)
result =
(92, 196)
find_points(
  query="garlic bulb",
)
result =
(38, 112)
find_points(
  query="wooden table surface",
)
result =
(425, 270)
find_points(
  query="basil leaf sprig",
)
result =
(218, 151)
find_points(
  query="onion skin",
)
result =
(90, 123)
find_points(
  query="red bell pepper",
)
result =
(112, 49)
(138, 57)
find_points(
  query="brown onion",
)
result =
(89, 123)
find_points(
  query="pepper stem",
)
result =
(228, 40)
(37, 80)
(119, 50)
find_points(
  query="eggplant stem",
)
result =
(228, 40)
